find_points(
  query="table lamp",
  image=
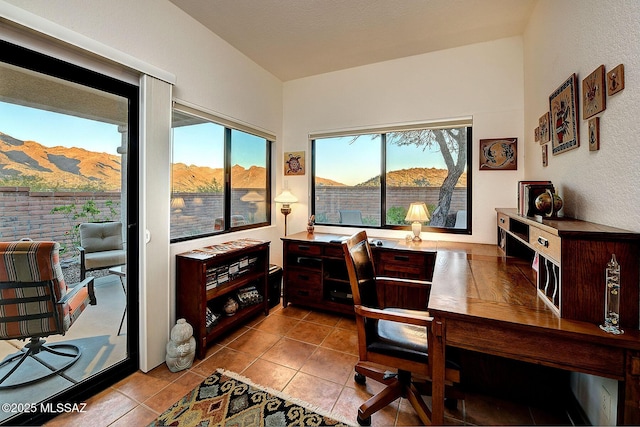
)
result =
(286, 198)
(418, 214)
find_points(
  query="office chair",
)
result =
(35, 303)
(101, 246)
(392, 337)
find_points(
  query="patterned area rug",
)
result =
(228, 399)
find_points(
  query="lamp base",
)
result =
(416, 227)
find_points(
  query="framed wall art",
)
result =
(543, 124)
(294, 163)
(545, 155)
(615, 80)
(593, 93)
(594, 134)
(536, 134)
(563, 104)
(499, 154)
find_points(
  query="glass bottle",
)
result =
(612, 298)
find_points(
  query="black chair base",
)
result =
(70, 354)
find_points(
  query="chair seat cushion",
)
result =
(97, 260)
(400, 339)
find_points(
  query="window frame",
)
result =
(382, 132)
(229, 126)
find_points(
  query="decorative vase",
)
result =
(181, 348)
(230, 307)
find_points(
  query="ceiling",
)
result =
(299, 38)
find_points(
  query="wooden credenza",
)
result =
(315, 273)
(570, 257)
(209, 276)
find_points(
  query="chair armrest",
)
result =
(88, 282)
(376, 313)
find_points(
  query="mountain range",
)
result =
(80, 169)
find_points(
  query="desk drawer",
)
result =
(403, 264)
(503, 221)
(545, 243)
(303, 285)
(304, 248)
(334, 252)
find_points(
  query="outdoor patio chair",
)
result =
(36, 303)
(352, 217)
(101, 246)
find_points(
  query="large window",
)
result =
(220, 177)
(371, 178)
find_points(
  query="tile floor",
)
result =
(305, 354)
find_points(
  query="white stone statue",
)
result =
(181, 348)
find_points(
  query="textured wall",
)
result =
(577, 36)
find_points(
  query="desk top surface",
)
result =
(477, 286)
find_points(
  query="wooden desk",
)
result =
(486, 302)
(315, 273)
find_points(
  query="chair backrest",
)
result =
(361, 270)
(352, 217)
(101, 236)
(31, 284)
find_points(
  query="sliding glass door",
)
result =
(69, 157)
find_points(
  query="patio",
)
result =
(95, 333)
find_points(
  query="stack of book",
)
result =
(528, 191)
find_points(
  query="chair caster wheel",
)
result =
(365, 422)
(451, 404)
(359, 379)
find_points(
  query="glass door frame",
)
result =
(38, 62)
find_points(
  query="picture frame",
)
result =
(499, 154)
(543, 124)
(615, 80)
(536, 134)
(594, 100)
(563, 104)
(294, 163)
(594, 134)
(545, 155)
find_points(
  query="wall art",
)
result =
(615, 80)
(536, 134)
(593, 93)
(294, 163)
(543, 123)
(594, 134)
(499, 154)
(563, 104)
(545, 155)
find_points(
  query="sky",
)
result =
(352, 162)
(54, 129)
(200, 145)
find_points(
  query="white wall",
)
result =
(483, 80)
(577, 36)
(209, 73)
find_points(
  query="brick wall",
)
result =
(28, 214)
(329, 200)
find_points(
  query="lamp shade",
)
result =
(417, 212)
(285, 197)
(252, 196)
(177, 203)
